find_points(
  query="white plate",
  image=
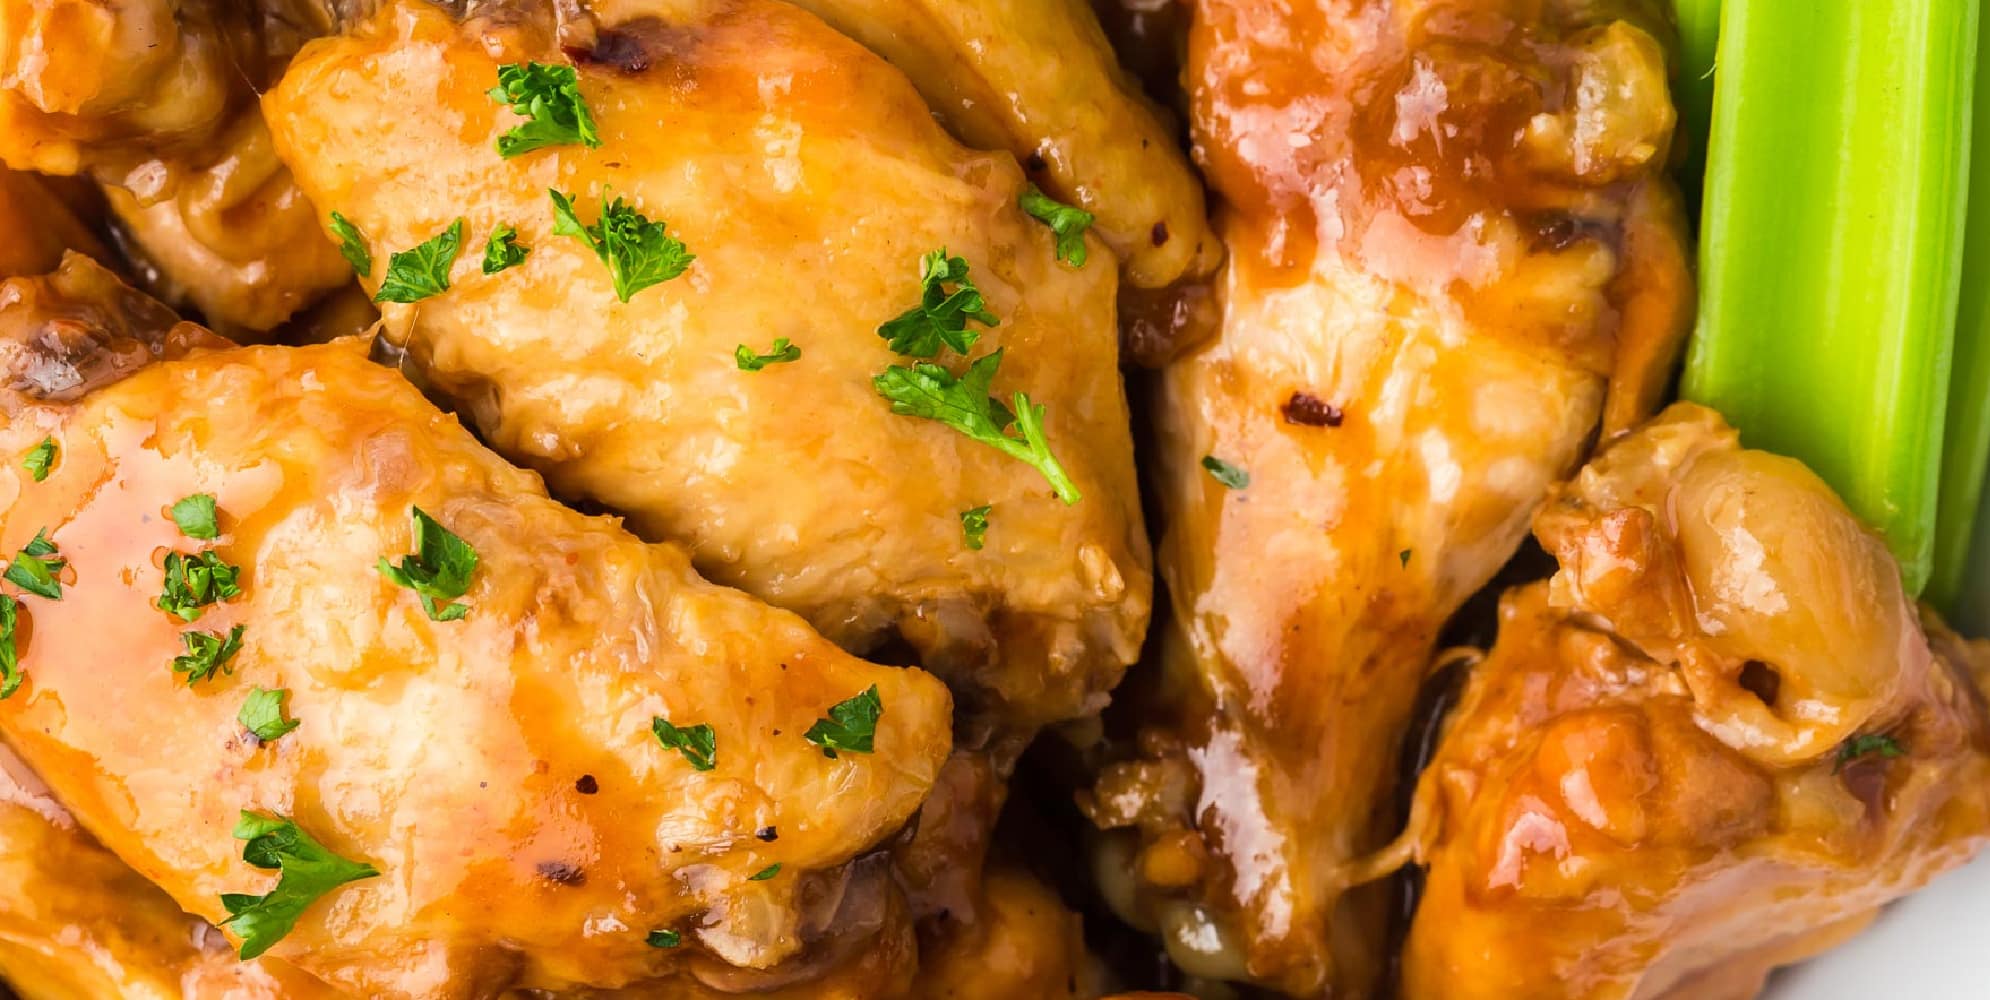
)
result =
(1932, 945)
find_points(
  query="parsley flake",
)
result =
(1067, 221)
(40, 459)
(1866, 745)
(309, 871)
(851, 725)
(550, 96)
(974, 526)
(931, 391)
(196, 516)
(352, 245)
(439, 570)
(638, 252)
(664, 939)
(194, 582)
(699, 744)
(940, 318)
(262, 715)
(1231, 476)
(10, 658)
(207, 653)
(503, 251)
(33, 569)
(765, 873)
(1405, 557)
(784, 351)
(413, 275)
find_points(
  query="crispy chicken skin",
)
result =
(1647, 789)
(808, 178)
(1453, 255)
(449, 755)
(156, 99)
(1038, 78)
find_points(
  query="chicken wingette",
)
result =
(1454, 255)
(523, 740)
(736, 406)
(1717, 741)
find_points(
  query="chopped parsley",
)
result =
(1866, 745)
(974, 526)
(1231, 476)
(35, 566)
(638, 252)
(940, 318)
(503, 251)
(352, 245)
(699, 744)
(262, 715)
(931, 391)
(10, 657)
(550, 96)
(207, 653)
(1405, 557)
(40, 459)
(784, 351)
(664, 939)
(413, 275)
(1068, 222)
(850, 727)
(765, 873)
(196, 516)
(439, 570)
(194, 582)
(309, 871)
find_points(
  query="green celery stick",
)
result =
(1699, 48)
(1966, 440)
(1831, 244)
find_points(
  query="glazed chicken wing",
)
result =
(490, 746)
(1714, 743)
(1453, 255)
(808, 180)
(156, 99)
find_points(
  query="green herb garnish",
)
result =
(352, 245)
(10, 657)
(439, 570)
(35, 566)
(197, 517)
(413, 275)
(940, 318)
(784, 351)
(1866, 745)
(765, 873)
(931, 391)
(196, 581)
(550, 96)
(638, 252)
(503, 251)
(1068, 222)
(40, 459)
(1223, 472)
(207, 653)
(664, 939)
(699, 744)
(262, 714)
(851, 725)
(309, 871)
(974, 525)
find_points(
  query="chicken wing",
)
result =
(156, 100)
(488, 745)
(808, 179)
(1453, 255)
(1714, 743)
(1038, 78)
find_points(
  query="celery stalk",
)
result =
(1966, 440)
(1699, 49)
(1831, 244)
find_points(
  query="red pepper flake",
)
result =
(1310, 410)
